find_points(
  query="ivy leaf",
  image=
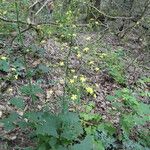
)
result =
(18, 102)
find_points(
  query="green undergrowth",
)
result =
(76, 125)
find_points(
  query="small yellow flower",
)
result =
(96, 22)
(16, 76)
(38, 26)
(71, 80)
(3, 58)
(86, 49)
(74, 97)
(74, 35)
(96, 69)
(91, 19)
(82, 79)
(89, 90)
(91, 62)
(61, 81)
(10, 90)
(65, 44)
(62, 36)
(13, 69)
(61, 63)
(103, 55)
(88, 38)
(94, 95)
(76, 47)
(43, 42)
(4, 12)
(78, 55)
(72, 70)
(75, 77)
(97, 85)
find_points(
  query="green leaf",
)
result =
(4, 65)
(107, 127)
(33, 90)
(8, 122)
(43, 68)
(86, 144)
(28, 148)
(110, 97)
(18, 102)
(42, 147)
(46, 124)
(98, 145)
(71, 125)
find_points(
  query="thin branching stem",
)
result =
(23, 48)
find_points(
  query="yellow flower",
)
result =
(76, 47)
(13, 69)
(96, 22)
(94, 95)
(62, 36)
(43, 42)
(74, 35)
(82, 79)
(61, 63)
(96, 85)
(3, 58)
(91, 62)
(38, 26)
(61, 81)
(71, 81)
(88, 38)
(74, 97)
(91, 19)
(96, 69)
(86, 49)
(72, 70)
(89, 90)
(4, 12)
(75, 77)
(16, 76)
(103, 55)
(78, 55)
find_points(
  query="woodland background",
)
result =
(74, 74)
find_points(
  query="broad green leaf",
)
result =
(4, 65)
(86, 144)
(18, 102)
(8, 122)
(43, 68)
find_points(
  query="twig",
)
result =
(42, 7)
(26, 23)
(109, 16)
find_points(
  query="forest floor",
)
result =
(136, 65)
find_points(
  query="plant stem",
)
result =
(22, 45)
(66, 76)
